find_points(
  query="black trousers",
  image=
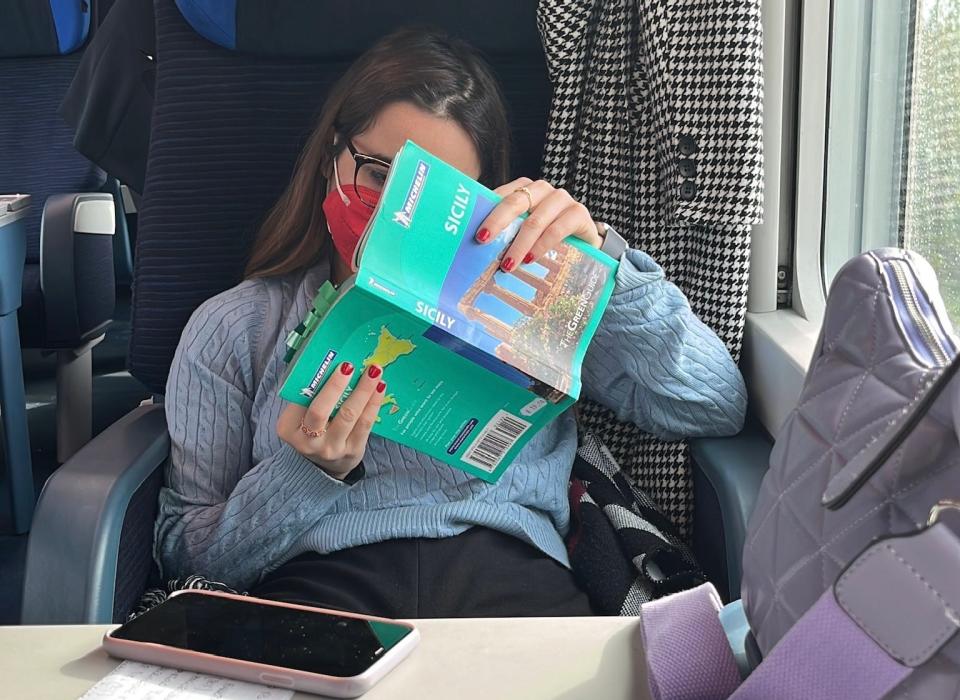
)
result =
(479, 573)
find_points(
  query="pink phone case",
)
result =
(264, 673)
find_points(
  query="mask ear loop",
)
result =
(336, 180)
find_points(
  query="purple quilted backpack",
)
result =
(870, 448)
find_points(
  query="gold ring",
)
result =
(529, 196)
(311, 433)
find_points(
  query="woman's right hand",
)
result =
(336, 445)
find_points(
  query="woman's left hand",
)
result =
(554, 215)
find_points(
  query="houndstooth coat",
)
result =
(656, 126)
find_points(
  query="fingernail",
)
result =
(380, 387)
(374, 371)
(346, 368)
(508, 264)
(482, 235)
(528, 258)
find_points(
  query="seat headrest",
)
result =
(43, 27)
(337, 30)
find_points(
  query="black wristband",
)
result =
(354, 475)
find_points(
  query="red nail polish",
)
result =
(528, 258)
(380, 387)
(482, 235)
(374, 371)
(508, 264)
(346, 368)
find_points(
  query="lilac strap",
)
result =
(688, 656)
(824, 656)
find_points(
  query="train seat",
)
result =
(67, 277)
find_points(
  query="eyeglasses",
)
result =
(369, 173)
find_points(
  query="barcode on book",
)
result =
(495, 440)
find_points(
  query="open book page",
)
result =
(133, 680)
(420, 253)
(444, 397)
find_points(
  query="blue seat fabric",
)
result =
(289, 27)
(36, 146)
(227, 128)
(72, 21)
(43, 27)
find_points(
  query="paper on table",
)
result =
(135, 681)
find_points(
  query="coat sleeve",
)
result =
(655, 364)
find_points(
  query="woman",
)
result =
(298, 506)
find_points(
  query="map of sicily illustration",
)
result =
(388, 349)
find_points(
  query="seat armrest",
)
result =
(76, 266)
(727, 474)
(82, 519)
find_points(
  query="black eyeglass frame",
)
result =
(360, 160)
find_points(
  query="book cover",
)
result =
(476, 360)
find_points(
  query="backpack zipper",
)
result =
(918, 317)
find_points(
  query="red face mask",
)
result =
(347, 217)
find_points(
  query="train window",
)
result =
(893, 137)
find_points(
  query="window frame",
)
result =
(780, 342)
(865, 155)
(798, 209)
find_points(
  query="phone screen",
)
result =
(309, 641)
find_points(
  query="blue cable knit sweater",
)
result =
(238, 502)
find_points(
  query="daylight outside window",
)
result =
(893, 144)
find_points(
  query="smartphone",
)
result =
(320, 651)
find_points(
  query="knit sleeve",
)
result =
(221, 515)
(654, 363)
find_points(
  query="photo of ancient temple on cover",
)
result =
(533, 312)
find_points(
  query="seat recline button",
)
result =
(95, 216)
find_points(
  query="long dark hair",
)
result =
(439, 74)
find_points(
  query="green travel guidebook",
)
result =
(476, 360)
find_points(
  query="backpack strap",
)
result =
(868, 461)
(688, 655)
(892, 609)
